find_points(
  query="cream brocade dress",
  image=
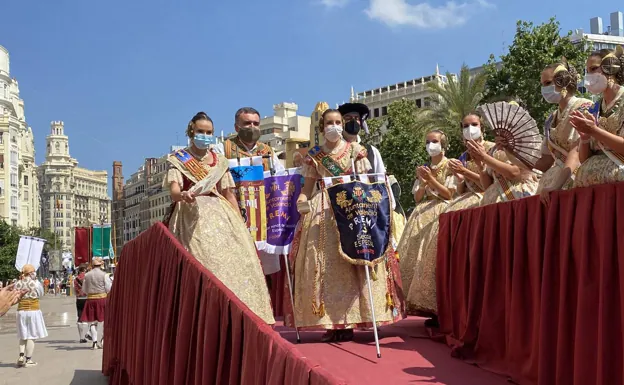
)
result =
(599, 169)
(421, 226)
(562, 137)
(331, 293)
(215, 234)
(504, 190)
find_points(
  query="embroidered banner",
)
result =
(282, 214)
(362, 213)
(250, 193)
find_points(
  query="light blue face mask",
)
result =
(551, 95)
(203, 141)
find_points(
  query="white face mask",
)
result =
(434, 149)
(332, 133)
(551, 95)
(472, 132)
(596, 83)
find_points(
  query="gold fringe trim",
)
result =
(318, 310)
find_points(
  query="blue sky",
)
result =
(126, 76)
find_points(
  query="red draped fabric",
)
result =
(278, 281)
(82, 245)
(169, 321)
(535, 292)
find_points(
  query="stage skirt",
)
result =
(94, 310)
(30, 325)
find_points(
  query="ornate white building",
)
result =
(71, 196)
(19, 193)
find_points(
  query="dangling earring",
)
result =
(563, 93)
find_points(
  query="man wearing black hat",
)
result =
(355, 115)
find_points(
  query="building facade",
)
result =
(142, 200)
(599, 37)
(379, 99)
(71, 196)
(19, 188)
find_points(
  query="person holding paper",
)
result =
(30, 323)
(329, 292)
(205, 218)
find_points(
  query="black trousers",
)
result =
(80, 304)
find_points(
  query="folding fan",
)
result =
(518, 130)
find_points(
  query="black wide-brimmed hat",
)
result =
(359, 108)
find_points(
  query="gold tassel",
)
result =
(374, 274)
(389, 301)
(320, 310)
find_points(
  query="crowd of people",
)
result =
(583, 145)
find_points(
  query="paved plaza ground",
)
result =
(62, 360)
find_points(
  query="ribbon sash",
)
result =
(328, 162)
(363, 220)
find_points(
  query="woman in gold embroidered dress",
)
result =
(602, 140)
(503, 176)
(560, 158)
(433, 189)
(206, 219)
(465, 170)
(329, 292)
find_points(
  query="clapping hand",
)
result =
(9, 297)
(584, 123)
(424, 173)
(457, 167)
(477, 151)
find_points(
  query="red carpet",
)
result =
(408, 356)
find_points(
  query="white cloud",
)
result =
(334, 3)
(423, 15)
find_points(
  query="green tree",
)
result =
(452, 101)
(518, 73)
(402, 147)
(9, 240)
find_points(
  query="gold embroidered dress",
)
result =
(213, 231)
(605, 166)
(422, 223)
(559, 138)
(502, 189)
(329, 292)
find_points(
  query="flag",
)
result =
(29, 252)
(82, 246)
(101, 240)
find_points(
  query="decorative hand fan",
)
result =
(518, 130)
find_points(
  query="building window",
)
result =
(376, 113)
(384, 111)
(419, 103)
(25, 180)
(292, 128)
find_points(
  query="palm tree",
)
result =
(452, 100)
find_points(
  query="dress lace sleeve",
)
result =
(415, 186)
(308, 169)
(362, 166)
(545, 149)
(173, 175)
(227, 181)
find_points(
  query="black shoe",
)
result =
(89, 337)
(432, 323)
(83, 341)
